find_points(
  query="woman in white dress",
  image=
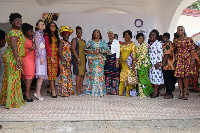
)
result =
(155, 54)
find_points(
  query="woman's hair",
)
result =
(2, 35)
(184, 31)
(100, 37)
(48, 31)
(157, 33)
(129, 32)
(26, 27)
(37, 24)
(14, 16)
(78, 27)
(139, 35)
(167, 35)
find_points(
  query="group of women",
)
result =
(43, 55)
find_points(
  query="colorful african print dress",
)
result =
(96, 78)
(142, 65)
(65, 79)
(127, 53)
(183, 57)
(11, 94)
(111, 72)
(52, 51)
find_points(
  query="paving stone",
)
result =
(137, 123)
(166, 123)
(143, 123)
(88, 124)
(102, 124)
(109, 124)
(95, 124)
(145, 130)
(178, 124)
(81, 124)
(74, 125)
(116, 124)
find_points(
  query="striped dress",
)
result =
(11, 94)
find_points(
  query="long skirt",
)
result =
(11, 94)
(111, 75)
(96, 78)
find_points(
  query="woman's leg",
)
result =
(78, 84)
(180, 83)
(27, 90)
(82, 79)
(38, 86)
(52, 87)
(186, 84)
(121, 88)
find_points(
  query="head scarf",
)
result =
(111, 31)
(65, 30)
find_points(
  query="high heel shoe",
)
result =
(53, 96)
(42, 98)
(26, 99)
(48, 92)
(154, 96)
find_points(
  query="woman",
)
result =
(168, 66)
(184, 58)
(142, 65)
(28, 61)
(128, 54)
(96, 50)
(155, 54)
(51, 44)
(40, 58)
(64, 50)
(112, 66)
(78, 60)
(11, 94)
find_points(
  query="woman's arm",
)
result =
(73, 44)
(13, 44)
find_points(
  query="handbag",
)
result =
(132, 80)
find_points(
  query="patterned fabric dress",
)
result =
(65, 79)
(96, 78)
(28, 61)
(11, 94)
(143, 64)
(52, 51)
(111, 73)
(183, 57)
(128, 52)
(155, 55)
(40, 52)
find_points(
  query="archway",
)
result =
(177, 14)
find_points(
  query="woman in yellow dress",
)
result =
(128, 54)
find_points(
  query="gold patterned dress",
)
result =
(127, 53)
(65, 79)
(11, 94)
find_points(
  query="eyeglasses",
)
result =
(153, 35)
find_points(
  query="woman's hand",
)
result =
(65, 66)
(79, 62)
(19, 64)
(135, 59)
(157, 65)
(97, 51)
(41, 61)
(192, 64)
(52, 60)
(34, 46)
(133, 66)
(117, 65)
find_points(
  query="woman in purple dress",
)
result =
(40, 58)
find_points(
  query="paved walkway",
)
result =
(145, 126)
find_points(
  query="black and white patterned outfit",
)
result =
(155, 55)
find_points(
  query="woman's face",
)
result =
(180, 31)
(17, 23)
(79, 32)
(65, 36)
(153, 36)
(52, 27)
(41, 25)
(140, 39)
(127, 37)
(110, 35)
(29, 33)
(96, 34)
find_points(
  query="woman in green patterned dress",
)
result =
(11, 94)
(143, 64)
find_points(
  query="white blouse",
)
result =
(115, 48)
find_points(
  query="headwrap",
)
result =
(110, 30)
(65, 30)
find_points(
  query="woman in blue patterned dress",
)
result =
(96, 50)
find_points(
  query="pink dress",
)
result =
(28, 61)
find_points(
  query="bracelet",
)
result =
(117, 62)
(18, 58)
(79, 59)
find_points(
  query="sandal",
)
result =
(181, 95)
(186, 96)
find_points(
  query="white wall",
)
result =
(191, 24)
